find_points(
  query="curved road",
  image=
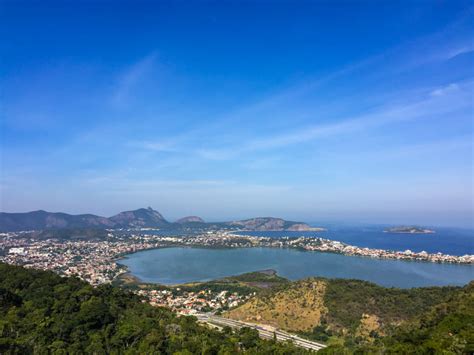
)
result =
(264, 333)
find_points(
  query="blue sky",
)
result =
(315, 111)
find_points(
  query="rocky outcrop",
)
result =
(270, 224)
(141, 218)
(190, 219)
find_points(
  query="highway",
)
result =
(265, 332)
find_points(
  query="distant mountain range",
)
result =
(141, 218)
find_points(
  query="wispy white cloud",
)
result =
(445, 99)
(445, 89)
(130, 78)
(404, 152)
(156, 146)
(437, 47)
(460, 50)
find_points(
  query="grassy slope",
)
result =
(350, 312)
(294, 308)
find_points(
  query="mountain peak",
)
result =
(142, 218)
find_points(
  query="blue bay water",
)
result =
(453, 241)
(181, 265)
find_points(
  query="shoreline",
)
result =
(154, 282)
(100, 261)
(128, 278)
(338, 248)
(306, 244)
(137, 281)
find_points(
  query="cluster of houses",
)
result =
(189, 302)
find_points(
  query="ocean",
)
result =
(453, 241)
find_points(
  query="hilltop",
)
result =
(271, 224)
(141, 218)
(40, 220)
(50, 220)
(190, 219)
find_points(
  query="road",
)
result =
(264, 331)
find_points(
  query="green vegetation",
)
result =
(264, 276)
(42, 313)
(358, 316)
(258, 282)
(70, 234)
(215, 286)
(245, 284)
(447, 328)
(348, 300)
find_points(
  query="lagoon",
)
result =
(178, 265)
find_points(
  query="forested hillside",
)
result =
(447, 328)
(43, 313)
(352, 315)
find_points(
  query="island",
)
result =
(409, 230)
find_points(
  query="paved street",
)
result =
(264, 331)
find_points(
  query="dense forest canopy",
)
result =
(354, 316)
(41, 312)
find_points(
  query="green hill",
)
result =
(446, 328)
(43, 313)
(353, 315)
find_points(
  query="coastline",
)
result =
(162, 267)
(99, 261)
(128, 278)
(306, 244)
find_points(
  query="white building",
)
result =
(17, 251)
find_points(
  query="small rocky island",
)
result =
(409, 230)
